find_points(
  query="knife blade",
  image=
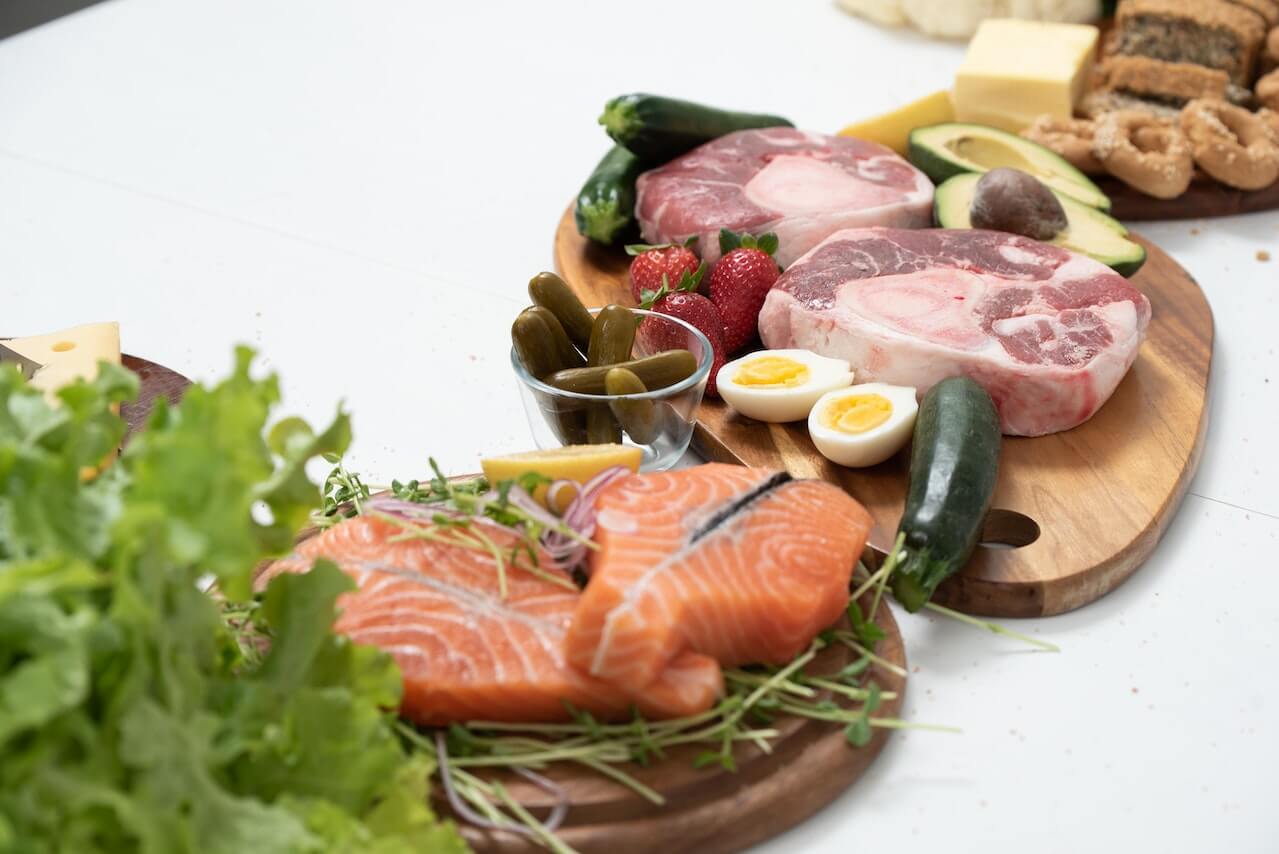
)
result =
(26, 367)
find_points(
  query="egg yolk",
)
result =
(774, 371)
(857, 413)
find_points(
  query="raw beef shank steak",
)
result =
(1047, 332)
(803, 186)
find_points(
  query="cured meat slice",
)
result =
(803, 186)
(745, 565)
(1047, 332)
(466, 652)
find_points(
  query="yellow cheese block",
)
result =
(69, 355)
(893, 129)
(1015, 71)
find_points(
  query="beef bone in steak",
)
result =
(1047, 332)
(803, 186)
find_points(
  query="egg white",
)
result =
(779, 404)
(877, 444)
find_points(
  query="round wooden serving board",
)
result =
(1102, 493)
(710, 810)
(1204, 198)
(707, 810)
(154, 381)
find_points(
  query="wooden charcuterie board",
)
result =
(1205, 198)
(155, 381)
(710, 810)
(1101, 494)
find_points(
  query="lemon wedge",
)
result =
(578, 463)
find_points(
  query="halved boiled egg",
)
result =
(863, 425)
(780, 385)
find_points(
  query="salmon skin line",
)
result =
(728, 511)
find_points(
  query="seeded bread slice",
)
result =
(1213, 33)
(1097, 104)
(1267, 10)
(1173, 82)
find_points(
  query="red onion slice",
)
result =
(466, 812)
(580, 516)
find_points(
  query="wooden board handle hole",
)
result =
(1008, 529)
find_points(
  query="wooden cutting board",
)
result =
(1204, 198)
(710, 810)
(1101, 494)
(707, 810)
(156, 381)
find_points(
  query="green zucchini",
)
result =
(657, 129)
(954, 462)
(605, 206)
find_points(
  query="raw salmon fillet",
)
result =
(464, 652)
(745, 565)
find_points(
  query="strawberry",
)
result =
(652, 263)
(740, 282)
(683, 302)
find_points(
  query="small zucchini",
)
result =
(605, 206)
(954, 462)
(657, 129)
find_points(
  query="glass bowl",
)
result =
(660, 423)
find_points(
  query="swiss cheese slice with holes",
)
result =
(63, 357)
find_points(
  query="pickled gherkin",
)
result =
(568, 354)
(612, 336)
(549, 291)
(543, 348)
(639, 418)
(601, 427)
(658, 371)
(541, 344)
(534, 346)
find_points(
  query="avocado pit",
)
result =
(1013, 201)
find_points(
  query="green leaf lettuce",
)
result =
(130, 720)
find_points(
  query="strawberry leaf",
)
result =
(640, 248)
(690, 282)
(728, 241)
(648, 298)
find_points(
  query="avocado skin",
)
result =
(925, 149)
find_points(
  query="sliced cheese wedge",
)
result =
(68, 355)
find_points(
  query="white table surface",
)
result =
(361, 190)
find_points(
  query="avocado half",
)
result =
(952, 148)
(1088, 231)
